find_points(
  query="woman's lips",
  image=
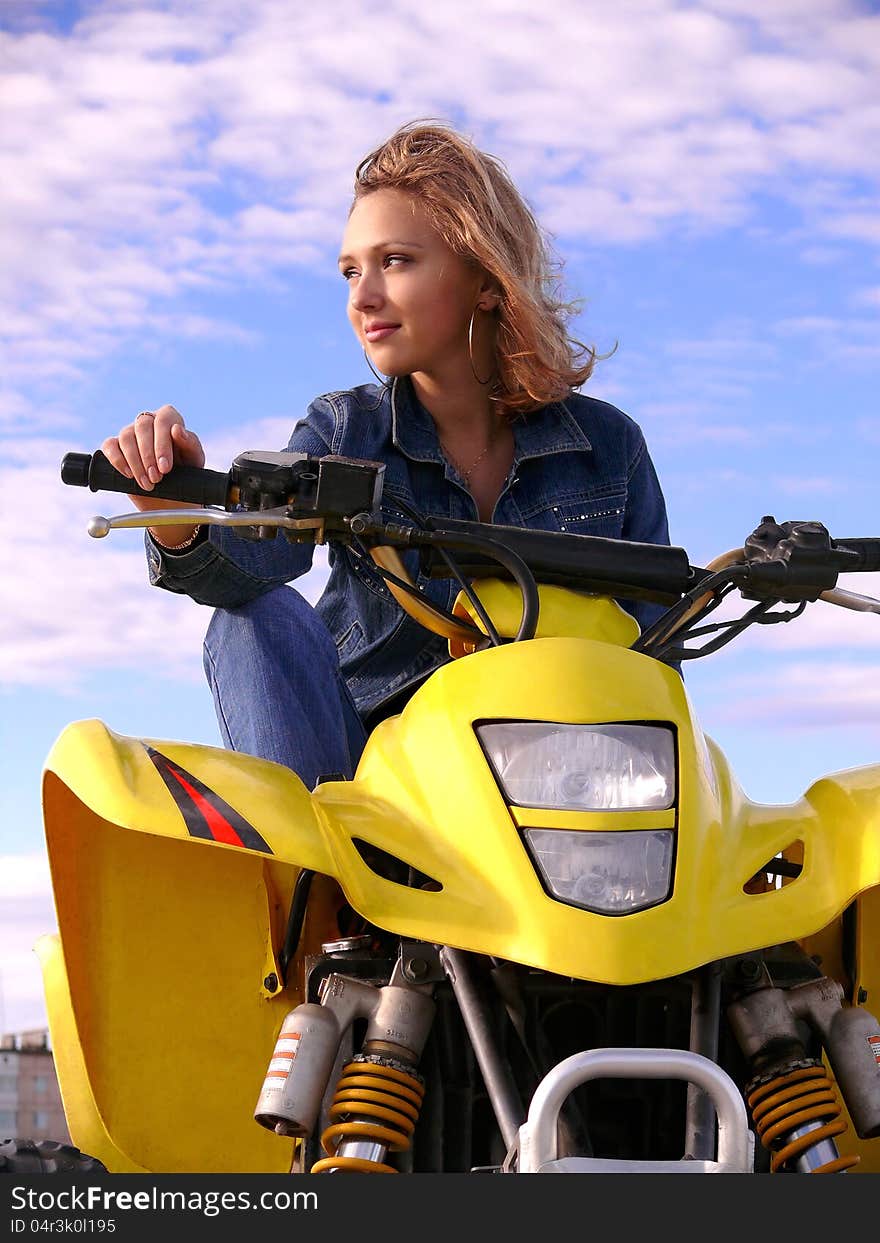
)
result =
(377, 334)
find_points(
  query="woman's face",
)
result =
(409, 296)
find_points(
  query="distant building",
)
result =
(30, 1102)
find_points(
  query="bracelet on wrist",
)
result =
(181, 547)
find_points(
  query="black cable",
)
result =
(427, 523)
(295, 919)
(767, 619)
(379, 571)
(737, 623)
(475, 600)
(730, 631)
(718, 598)
(497, 551)
(653, 640)
(772, 618)
(759, 615)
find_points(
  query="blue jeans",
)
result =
(278, 692)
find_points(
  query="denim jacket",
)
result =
(580, 465)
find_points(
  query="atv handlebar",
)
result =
(332, 497)
(335, 497)
(867, 551)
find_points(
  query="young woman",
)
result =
(450, 293)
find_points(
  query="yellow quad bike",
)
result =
(542, 929)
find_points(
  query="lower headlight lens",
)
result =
(609, 873)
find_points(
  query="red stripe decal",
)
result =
(221, 829)
(205, 813)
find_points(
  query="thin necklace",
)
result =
(465, 474)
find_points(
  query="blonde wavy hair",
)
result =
(470, 200)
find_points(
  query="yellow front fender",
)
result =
(156, 989)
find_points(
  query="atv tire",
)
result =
(45, 1156)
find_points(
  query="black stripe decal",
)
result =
(224, 824)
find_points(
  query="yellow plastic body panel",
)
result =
(80, 1108)
(160, 1020)
(160, 1016)
(447, 817)
(563, 614)
(831, 947)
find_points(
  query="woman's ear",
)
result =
(489, 293)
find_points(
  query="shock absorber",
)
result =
(379, 1094)
(376, 1106)
(797, 1115)
(793, 1098)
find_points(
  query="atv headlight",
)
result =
(610, 873)
(583, 767)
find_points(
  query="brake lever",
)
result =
(851, 600)
(100, 526)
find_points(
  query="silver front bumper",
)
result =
(536, 1150)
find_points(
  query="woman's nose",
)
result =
(367, 293)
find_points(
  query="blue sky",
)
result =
(176, 177)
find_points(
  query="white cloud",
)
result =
(731, 350)
(805, 485)
(709, 386)
(149, 152)
(808, 695)
(26, 913)
(24, 876)
(687, 431)
(859, 226)
(868, 297)
(835, 339)
(82, 605)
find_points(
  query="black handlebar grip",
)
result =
(191, 484)
(869, 554)
(75, 469)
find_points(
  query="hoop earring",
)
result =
(471, 352)
(381, 378)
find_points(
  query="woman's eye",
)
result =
(348, 273)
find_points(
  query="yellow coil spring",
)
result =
(376, 1103)
(795, 1100)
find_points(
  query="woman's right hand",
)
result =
(146, 450)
